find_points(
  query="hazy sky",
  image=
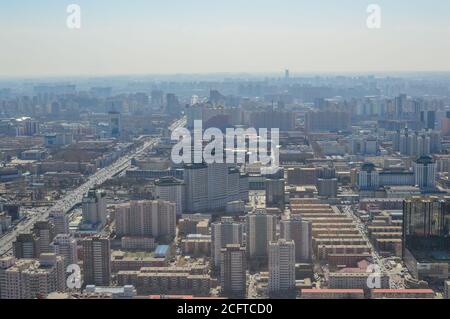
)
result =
(201, 36)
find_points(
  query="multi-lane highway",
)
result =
(75, 197)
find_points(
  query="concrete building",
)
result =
(275, 192)
(426, 221)
(147, 218)
(31, 278)
(355, 280)
(301, 176)
(196, 187)
(261, 230)
(45, 231)
(190, 280)
(94, 207)
(298, 230)
(96, 261)
(172, 190)
(212, 187)
(224, 232)
(328, 294)
(61, 222)
(327, 187)
(281, 267)
(233, 267)
(66, 246)
(26, 246)
(425, 173)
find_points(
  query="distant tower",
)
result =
(286, 74)
(115, 124)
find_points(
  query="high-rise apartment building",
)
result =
(275, 192)
(94, 207)
(261, 230)
(426, 237)
(96, 261)
(147, 218)
(233, 267)
(425, 171)
(26, 246)
(281, 267)
(298, 230)
(31, 278)
(172, 190)
(223, 233)
(196, 183)
(66, 246)
(213, 186)
(61, 222)
(45, 231)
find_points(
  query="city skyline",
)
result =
(220, 150)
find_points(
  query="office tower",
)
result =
(45, 231)
(298, 230)
(115, 124)
(224, 232)
(26, 245)
(275, 192)
(281, 267)
(31, 278)
(61, 222)
(327, 187)
(196, 183)
(233, 267)
(261, 230)
(426, 237)
(147, 218)
(96, 261)
(286, 74)
(172, 190)
(94, 207)
(325, 121)
(425, 172)
(66, 246)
